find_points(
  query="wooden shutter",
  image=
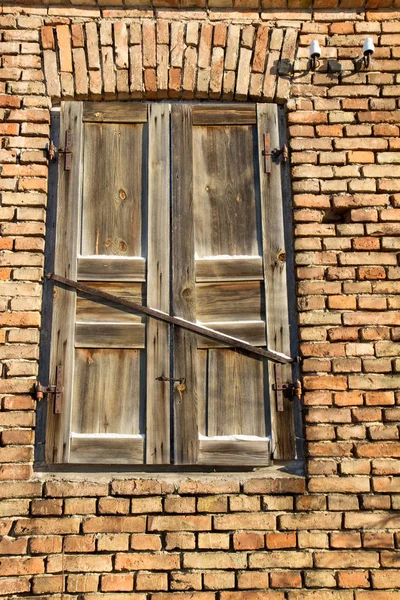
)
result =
(275, 278)
(224, 250)
(109, 213)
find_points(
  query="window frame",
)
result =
(279, 137)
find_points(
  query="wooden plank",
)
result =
(112, 202)
(235, 452)
(230, 301)
(225, 208)
(227, 114)
(110, 268)
(273, 236)
(42, 422)
(287, 205)
(114, 112)
(107, 450)
(202, 365)
(158, 283)
(91, 310)
(252, 332)
(236, 395)
(235, 268)
(107, 397)
(110, 335)
(183, 286)
(65, 263)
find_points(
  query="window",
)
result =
(177, 207)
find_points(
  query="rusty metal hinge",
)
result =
(268, 153)
(52, 151)
(291, 391)
(56, 389)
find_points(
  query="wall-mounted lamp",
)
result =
(364, 60)
(368, 50)
(315, 53)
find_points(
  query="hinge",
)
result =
(292, 391)
(268, 153)
(56, 389)
(52, 151)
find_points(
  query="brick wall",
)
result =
(333, 535)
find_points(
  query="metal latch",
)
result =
(268, 153)
(163, 378)
(289, 390)
(52, 151)
(56, 389)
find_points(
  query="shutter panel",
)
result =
(65, 263)
(158, 284)
(108, 395)
(273, 235)
(114, 221)
(183, 299)
(219, 260)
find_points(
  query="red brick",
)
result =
(161, 561)
(21, 566)
(14, 585)
(77, 563)
(278, 540)
(179, 523)
(47, 526)
(117, 582)
(114, 524)
(286, 579)
(248, 541)
(151, 581)
(353, 579)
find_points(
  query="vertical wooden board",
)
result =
(277, 316)
(47, 302)
(183, 286)
(112, 193)
(236, 398)
(65, 264)
(225, 207)
(202, 395)
(158, 283)
(291, 279)
(106, 391)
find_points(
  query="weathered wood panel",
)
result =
(225, 208)
(107, 391)
(275, 279)
(230, 301)
(202, 365)
(236, 395)
(107, 450)
(110, 268)
(109, 335)
(114, 112)
(232, 269)
(227, 114)
(252, 332)
(183, 286)
(235, 453)
(112, 202)
(90, 309)
(63, 319)
(158, 284)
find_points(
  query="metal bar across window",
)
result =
(276, 357)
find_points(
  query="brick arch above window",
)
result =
(157, 60)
